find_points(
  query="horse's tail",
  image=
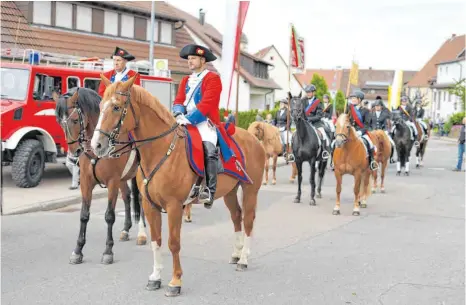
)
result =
(381, 150)
(366, 190)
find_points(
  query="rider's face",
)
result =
(378, 108)
(355, 100)
(310, 94)
(119, 63)
(195, 63)
(325, 100)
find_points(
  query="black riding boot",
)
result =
(211, 163)
(372, 164)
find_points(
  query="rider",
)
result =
(328, 112)
(380, 119)
(314, 114)
(406, 115)
(360, 120)
(281, 119)
(420, 116)
(197, 103)
(119, 72)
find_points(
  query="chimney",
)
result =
(201, 16)
(453, 35)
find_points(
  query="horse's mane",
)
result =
(88, 101)
(145, 98)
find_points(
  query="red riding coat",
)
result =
(209, 104)
(111, 73)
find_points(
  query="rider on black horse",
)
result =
(314, 115)
(420, 116)
(281, 120)
(360, 120)
(407, 115)
(380, 119)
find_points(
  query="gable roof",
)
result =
(328, 74)
(262, 52)
(449, 50)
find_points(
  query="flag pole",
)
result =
(238, 56)
(290, 28)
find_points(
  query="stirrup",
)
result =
(374, 166)
(290, 157)
(416, 143)
(325, 155)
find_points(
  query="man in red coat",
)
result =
(197, 103)
(120, 71)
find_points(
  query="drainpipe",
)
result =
(271, 91)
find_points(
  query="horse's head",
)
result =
(74, 111)
(296, 107)
(257, 129)
(342, 130)
(114, 116)
(397, 118)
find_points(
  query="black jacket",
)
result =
(280, 120)
(381, 121)
(461, 138)
(317, 113)
(420, 113)
(328, 112)
(409, 110)
(365, 118)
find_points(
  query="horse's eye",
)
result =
(116, 108)
(75, 121)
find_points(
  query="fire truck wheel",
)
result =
(28, 163)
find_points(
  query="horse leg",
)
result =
(418, 153)
(312, 180)
(374, 176)
(126, 196)
(274, 168)
(266, 173)
(231, 201)
(408, 157)
(294, 172)
(299, 166)
(249, 208)
(398, 161)
(338, 177)
(187, 212)
(363, 190)
(138, 214)
(322, 168)
(86, 194)
(107, 256)
(382, 176)
(357, 186)
(175, 215)
(155, 226)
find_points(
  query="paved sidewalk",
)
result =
(52, 192)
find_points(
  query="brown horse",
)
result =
(382, 157)
(77, 112)
(349, 157)
(163, 155)
(422, 139)
(269, 136)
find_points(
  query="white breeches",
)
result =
(283, 136)
(390, 138)
(411, 125)
(208, 132)
(329, 123)
(324, 135)
(371, 145)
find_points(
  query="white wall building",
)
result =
(279, 72)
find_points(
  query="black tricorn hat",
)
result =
(123, 53)
(197, 50)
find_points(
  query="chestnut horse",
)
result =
(163, 156)
(382, 142)
(421, 149)
(349, 157)
(77, 111)
(269, 136)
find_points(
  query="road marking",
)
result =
(436, 168)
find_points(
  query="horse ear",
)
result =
(129, 83)
(105, 80)
(55, 96)
(74, 98)
(289, 95)
(300, 94)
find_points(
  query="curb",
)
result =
(54, 204)
(446, 139)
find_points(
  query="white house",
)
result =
(448, 73)
(279, 72)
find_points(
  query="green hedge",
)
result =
(245, 118)
(455, 119)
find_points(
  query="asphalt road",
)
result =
(407, 247)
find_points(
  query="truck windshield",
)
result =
(14, 83)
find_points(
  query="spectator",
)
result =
(259, 117)
(269, 119)
(460, 148)
(232, 118)
(73, 166)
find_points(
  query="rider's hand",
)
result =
(182, 120)
(359, 133)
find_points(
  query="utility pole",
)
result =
(151, 48)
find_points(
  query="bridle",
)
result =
(297, 112)
(81, 138)
(343, 135)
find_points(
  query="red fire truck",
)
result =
(30, 133)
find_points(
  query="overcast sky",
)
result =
(395, 34)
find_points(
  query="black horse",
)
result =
(305, 145)
(403, 142)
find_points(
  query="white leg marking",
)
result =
(158, 263)
(95, 137)
(246, 250)
(407, 167)
(238, 246)
(417, 160)
(141, 231)
(398, 166)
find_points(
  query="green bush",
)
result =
(457, 118)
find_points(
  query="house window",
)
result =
(111, 23)
(64, 15)
(166, 33)
(448, 96)
(127, 26)
(84, 18)
(446, 70)
(156, 30)
(140, 28)
(42, 13)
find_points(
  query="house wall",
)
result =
(450, 73)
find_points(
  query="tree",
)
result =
(340, 101)
(459, 90)
(321, 85)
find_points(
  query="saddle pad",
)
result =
(365, 144)
(195, 152)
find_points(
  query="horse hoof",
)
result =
(291, 180)
(312, 202)
(319, 195)
(141, 240)
(296, 200)
(154, 285)
(107, 259)
(187, 220)
(363, 205)
(336, 212)
(418, 166)
(264, 183)
(274, 182)
(356, 213)
(173, 291)
(374, 190)
(398, 173)
(406, 173)
(382, 190)
(124, 236)
(76, 259)
(234, 260)
(241, 267)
